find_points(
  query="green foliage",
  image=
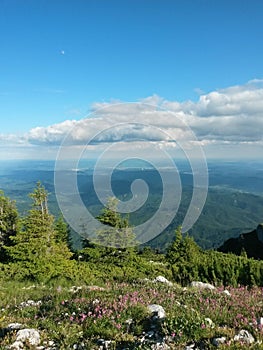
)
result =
(182, 324)
(184, 258)
(62, 232)
(36, 247)
(116, 233)
(38, 250)
(8, 224)
(188, 262)
(110, 216)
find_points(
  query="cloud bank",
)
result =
(229, 117)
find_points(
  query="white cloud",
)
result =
(12, 139)
(230, 116)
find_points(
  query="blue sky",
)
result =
(60, 58)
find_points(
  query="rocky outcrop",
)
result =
(260, 232)
(251, 242)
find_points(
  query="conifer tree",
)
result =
(36, 251)
(110, 216)
(184, 257)
(117, 232)
(8, 224)
(63, 232)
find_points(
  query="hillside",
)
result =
(251, 243)
(234, 202)
(119, 297)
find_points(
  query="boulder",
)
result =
(30, 335)
(244, 336)
(157, 311)
(201, 285)
(162, 279)
(17, 345)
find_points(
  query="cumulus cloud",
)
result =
(12, 139)
(233, 115)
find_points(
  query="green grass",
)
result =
(84, 316)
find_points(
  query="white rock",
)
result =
(226, 292)
(218, 341)
(14, 326)
(202, 285)
(162, 279)
(160, 346)
(30, 303)
(158, 310)
(209, 322)
(46, 347)
(17, 345)
(244, 336)
(29, 334)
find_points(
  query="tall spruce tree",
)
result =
(184, 257)
(117, 232)
(36, 251)
(62, 231)
(8, 224)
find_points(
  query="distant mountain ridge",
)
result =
(251, 242)
(234, 202)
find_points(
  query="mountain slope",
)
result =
(251, 242)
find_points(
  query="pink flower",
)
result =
(83, 317)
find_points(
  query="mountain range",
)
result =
(234, 202)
